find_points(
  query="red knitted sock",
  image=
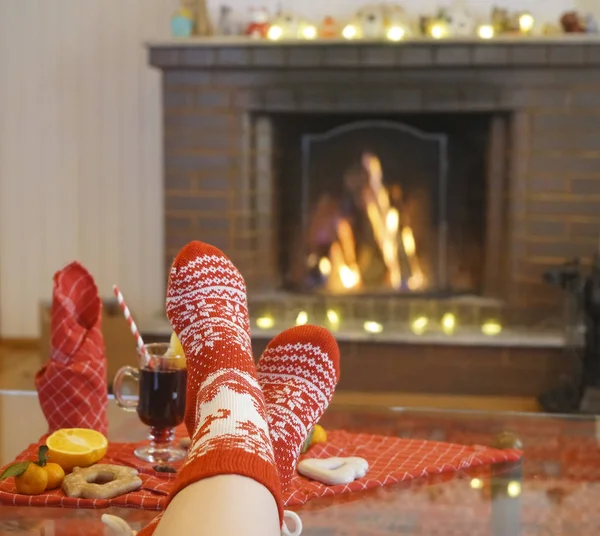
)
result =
(225, 408)
(298, 373)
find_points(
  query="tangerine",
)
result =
(33, 481)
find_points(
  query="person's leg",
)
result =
(298, 373)
(225, 409)
(221, 505)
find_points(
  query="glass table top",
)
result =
(555, 489)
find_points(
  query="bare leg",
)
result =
(221, 505)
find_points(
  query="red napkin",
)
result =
(72, 386)
(391, 460)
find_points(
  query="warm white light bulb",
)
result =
(349, 32)
(275, 32)
(486, 31)
(370, 326)
(438, 31)
(526, 22)
(334, 319)
(476, 483)
(265, 322)
(491, 328)
(302, 318)
(419, 325)
(448, 323)
(396, 33)
(513, 489)
(309, 32)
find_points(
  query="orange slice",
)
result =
(76, 447)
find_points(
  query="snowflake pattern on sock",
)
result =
(225, 408)
(298, 373)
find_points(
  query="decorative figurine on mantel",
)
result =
(461, 21)
(182, 24)
(571, 22)
(504, 22)
(258, 26)
(226, 25)
(591, 24)
(202, 24)
(378, 21)
(286, 25)
(329, 28)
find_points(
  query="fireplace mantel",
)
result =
(580, 50)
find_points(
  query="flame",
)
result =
(392, 235)
(348, 277)
(325, 266)
(345, 275)
(392, 220)
(408, 240)
(346, 237)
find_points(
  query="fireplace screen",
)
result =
(372, 206)
(369, 226)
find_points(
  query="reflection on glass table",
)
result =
(555, 489)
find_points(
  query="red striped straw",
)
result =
(134, 330)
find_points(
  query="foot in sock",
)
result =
(196, 269)
(298, 373)
(225, 409)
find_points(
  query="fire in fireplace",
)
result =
(372, 205)
(364, 239)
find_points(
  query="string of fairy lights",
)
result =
(419, 325)
(437, 30)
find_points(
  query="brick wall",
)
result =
(552, 90)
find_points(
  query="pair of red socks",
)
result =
(243, 420)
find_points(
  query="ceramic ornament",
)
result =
(329, 28)
(374, 21)
(397, 17)
(370, 20)
(290, 24)
(333, 471)
(258, 26)
(461, 21)
(591, 24)
(225, 24)
(182, 24)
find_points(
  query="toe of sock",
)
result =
(193, 251)
(315, 335)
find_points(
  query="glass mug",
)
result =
(162, 377)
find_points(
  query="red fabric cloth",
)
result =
(72, 386)
(391, 460)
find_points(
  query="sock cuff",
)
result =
(228, 462)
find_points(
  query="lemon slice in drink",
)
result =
(176, 350)
(76, 447)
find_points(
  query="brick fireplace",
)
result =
(230, 106)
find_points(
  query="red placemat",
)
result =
(391, 460)
(152, 495)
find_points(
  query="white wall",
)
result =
(80, 150)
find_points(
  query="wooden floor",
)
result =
(19, 362)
